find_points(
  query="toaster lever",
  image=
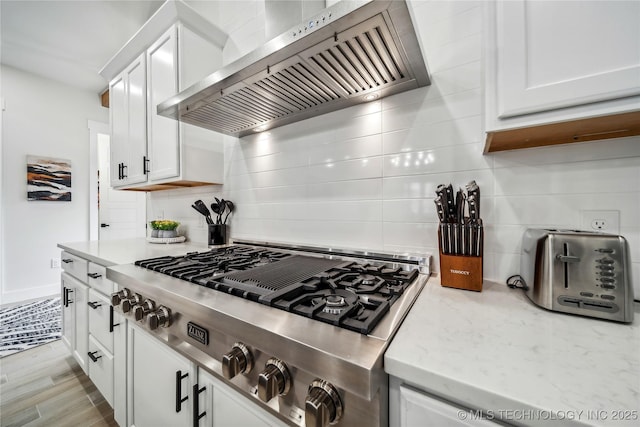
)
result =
(567, 258)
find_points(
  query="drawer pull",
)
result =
(94, 304)
(92, 356)
(94, 275)
(67, 260)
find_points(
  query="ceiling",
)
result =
(69, 41)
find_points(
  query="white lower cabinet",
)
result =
(221, 406)
(159, 382)
(101, 369)
(94, 333)
(99, 319)
(120, 369)
(162, 388)
(411, 407)
(74, 318)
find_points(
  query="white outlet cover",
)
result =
(611, 221)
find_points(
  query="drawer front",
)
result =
(97, 277)
(100, 318)
(75, 266)
(101, 369)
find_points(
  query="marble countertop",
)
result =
(495, 350)
(126, 251)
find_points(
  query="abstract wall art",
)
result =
(48, 179)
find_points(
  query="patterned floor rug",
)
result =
(29, 325)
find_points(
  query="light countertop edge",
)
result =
(495, 350)
(126, 251)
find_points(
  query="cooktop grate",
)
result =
(283, 273)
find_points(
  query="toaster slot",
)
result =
(565, 259)
(579, 303)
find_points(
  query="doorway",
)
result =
(115, 214)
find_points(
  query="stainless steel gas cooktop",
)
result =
(315, 321)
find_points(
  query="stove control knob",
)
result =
(117, 297)
(128, 303)
(140, 310)
(274, 381)
(160, 317)
(323, 405)
(238, 361)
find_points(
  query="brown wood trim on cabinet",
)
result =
(581, 130)
(170, 185)
(104, 98)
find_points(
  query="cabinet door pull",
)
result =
(94, 304)
(179, 399)
(94, 275)
(124, 175)
(196, 405)
(66, 295)
(67, 260)
(145, 165)
(119, 170)
(92, 356)
(111, 324)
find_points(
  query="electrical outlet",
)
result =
(604, 221)
(55, 262)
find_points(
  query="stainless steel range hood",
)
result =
(349, 53)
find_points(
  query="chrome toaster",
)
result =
(578, 272)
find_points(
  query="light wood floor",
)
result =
(45, 386)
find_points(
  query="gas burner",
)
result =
(334, 304)
(367, 279)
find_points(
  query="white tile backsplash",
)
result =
(364, 177)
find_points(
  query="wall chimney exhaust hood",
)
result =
(349, 53)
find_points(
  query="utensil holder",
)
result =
(217, 234)
(460, 271)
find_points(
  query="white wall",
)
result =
(365, 177)
(42, 118)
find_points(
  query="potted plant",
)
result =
(164, 228)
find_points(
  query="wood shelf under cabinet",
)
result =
(169, 186)
(581, 130)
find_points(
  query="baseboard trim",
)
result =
(25, 295)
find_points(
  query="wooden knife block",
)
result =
(460, 271)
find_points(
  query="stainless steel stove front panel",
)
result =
(342, 356)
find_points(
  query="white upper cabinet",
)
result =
(128, 129)
(162, 63)
(174, 49)
(552, 61)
